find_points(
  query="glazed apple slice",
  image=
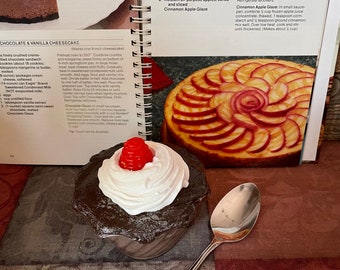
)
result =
(212, 77)
(243, 73)
(184, 99)
(232, 87)
(191, 92)
(303, 104)
(292, 133)
(225, 112)
(233, 137)
(300, 121)
(260, 71)
(279, 109)
(241, 144)
(303, 98)
(243, 120)
(227, 72)
(299, 111)
(261, 140)
(277, 139)
(194, 120)
(306, 90)
(300, 82)
(192, 111)
(200, 84)
(277, 93)
(286, 78)
(210, 127)
(248, 100)
(220, 98)
(258, 83)
(273, 75)
(266, 120)
(213, 135)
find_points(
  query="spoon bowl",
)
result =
(233, 218)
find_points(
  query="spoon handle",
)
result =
(213, 244)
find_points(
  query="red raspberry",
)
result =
(135, 154)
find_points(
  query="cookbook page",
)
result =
(68, 84)
(218, 49)
(236, 27)
(66, 95)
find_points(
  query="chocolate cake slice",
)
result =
(28, 11)
(148, 234)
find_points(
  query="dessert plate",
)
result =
(73, 14)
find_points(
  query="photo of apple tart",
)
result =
(249, 112)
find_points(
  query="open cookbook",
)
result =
(242, 79)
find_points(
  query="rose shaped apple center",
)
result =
(249, 101)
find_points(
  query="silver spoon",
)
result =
(233, 218)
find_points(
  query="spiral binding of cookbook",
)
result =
(143, 69)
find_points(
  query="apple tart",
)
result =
(249, 112)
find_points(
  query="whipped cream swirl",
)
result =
(150, 189)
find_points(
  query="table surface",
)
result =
(299, 219)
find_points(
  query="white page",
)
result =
(66, 95)
(237, 27)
